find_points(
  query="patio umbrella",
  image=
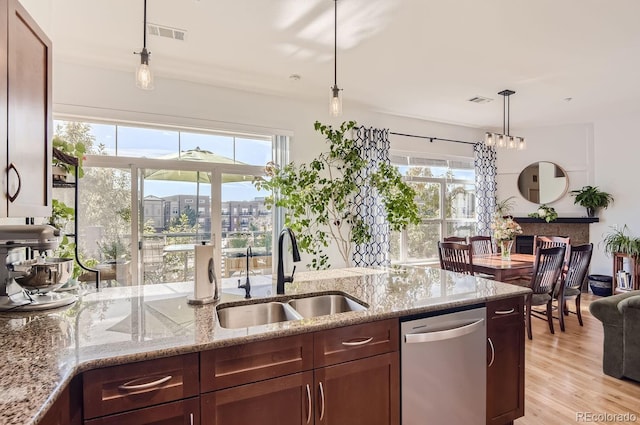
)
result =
(196, 155)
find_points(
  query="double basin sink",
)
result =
(269, 310)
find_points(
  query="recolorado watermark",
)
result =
(606, 417)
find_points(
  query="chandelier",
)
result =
(505, 140)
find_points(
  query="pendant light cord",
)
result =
(144, 27)
(335, 43)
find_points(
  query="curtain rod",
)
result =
(431, 139)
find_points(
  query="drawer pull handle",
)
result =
(505, 311)
(308, 404)
(493, 352)
(190, 418)
(353, 343)
(131, 386)
(322, 399)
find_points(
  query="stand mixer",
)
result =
(29, 284)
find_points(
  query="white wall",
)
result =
(602, 154)
(616, 166)
(109, 94)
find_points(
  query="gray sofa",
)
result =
(620, 317)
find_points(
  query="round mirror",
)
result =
(543, 182)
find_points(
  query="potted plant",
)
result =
(116, 260)
(592, 199)
(618, 241)
(321, 197)
(545, 212)
(61, 168)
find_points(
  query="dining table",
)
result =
(518, 266)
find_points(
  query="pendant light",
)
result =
(144, 76)
(505, 140)
(335, 103)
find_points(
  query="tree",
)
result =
(320, 197)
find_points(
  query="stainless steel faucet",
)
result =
(247, 284)
(296, 257)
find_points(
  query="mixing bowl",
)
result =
(46, 276)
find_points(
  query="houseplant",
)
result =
(592, 199)
(617, 240)
(76, 150)
(320, 197)
(545, 213)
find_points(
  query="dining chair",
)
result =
(457, 239)
(546, 272)
(571, 288)
(481, 245)
(455, 257)
(553, 241)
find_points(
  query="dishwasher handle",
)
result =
(418, 338)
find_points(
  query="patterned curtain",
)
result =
(374, 148)
(485, 164)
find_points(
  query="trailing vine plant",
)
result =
(320, 197)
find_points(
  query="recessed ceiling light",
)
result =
(568, 99)
(295, 77)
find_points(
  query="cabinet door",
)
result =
(286, 400)
(359, 392)
(183, 412)
(29, 119)
(505, 370)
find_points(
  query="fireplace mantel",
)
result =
(559, 220)
(577, 228)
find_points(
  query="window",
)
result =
(446, 200)
(172, 211)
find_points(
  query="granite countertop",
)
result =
(42, 351)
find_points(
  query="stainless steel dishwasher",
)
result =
(444, 369)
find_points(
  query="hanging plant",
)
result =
(320, 197)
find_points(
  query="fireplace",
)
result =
(577, 228)
(524, 244)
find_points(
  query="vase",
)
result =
(505, 249)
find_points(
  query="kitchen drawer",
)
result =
(182, 412)
(132, 386)
(353, 342)
(241, 364)
(506, 309)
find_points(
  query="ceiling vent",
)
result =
(168, 32)
(480, 99)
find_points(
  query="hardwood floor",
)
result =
(563, 375)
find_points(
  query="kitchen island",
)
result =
(43, 351)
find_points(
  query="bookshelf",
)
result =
(632, 268)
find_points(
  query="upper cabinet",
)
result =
(26, 124)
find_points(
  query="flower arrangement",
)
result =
(505, 229)
(545, 212)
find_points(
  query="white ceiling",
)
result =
(417, 58)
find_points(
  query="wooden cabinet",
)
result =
(138, 385)
(359, 392)
(505, 360)
(67, 409)
(344, 375)
(632, 276)
(25, 114)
